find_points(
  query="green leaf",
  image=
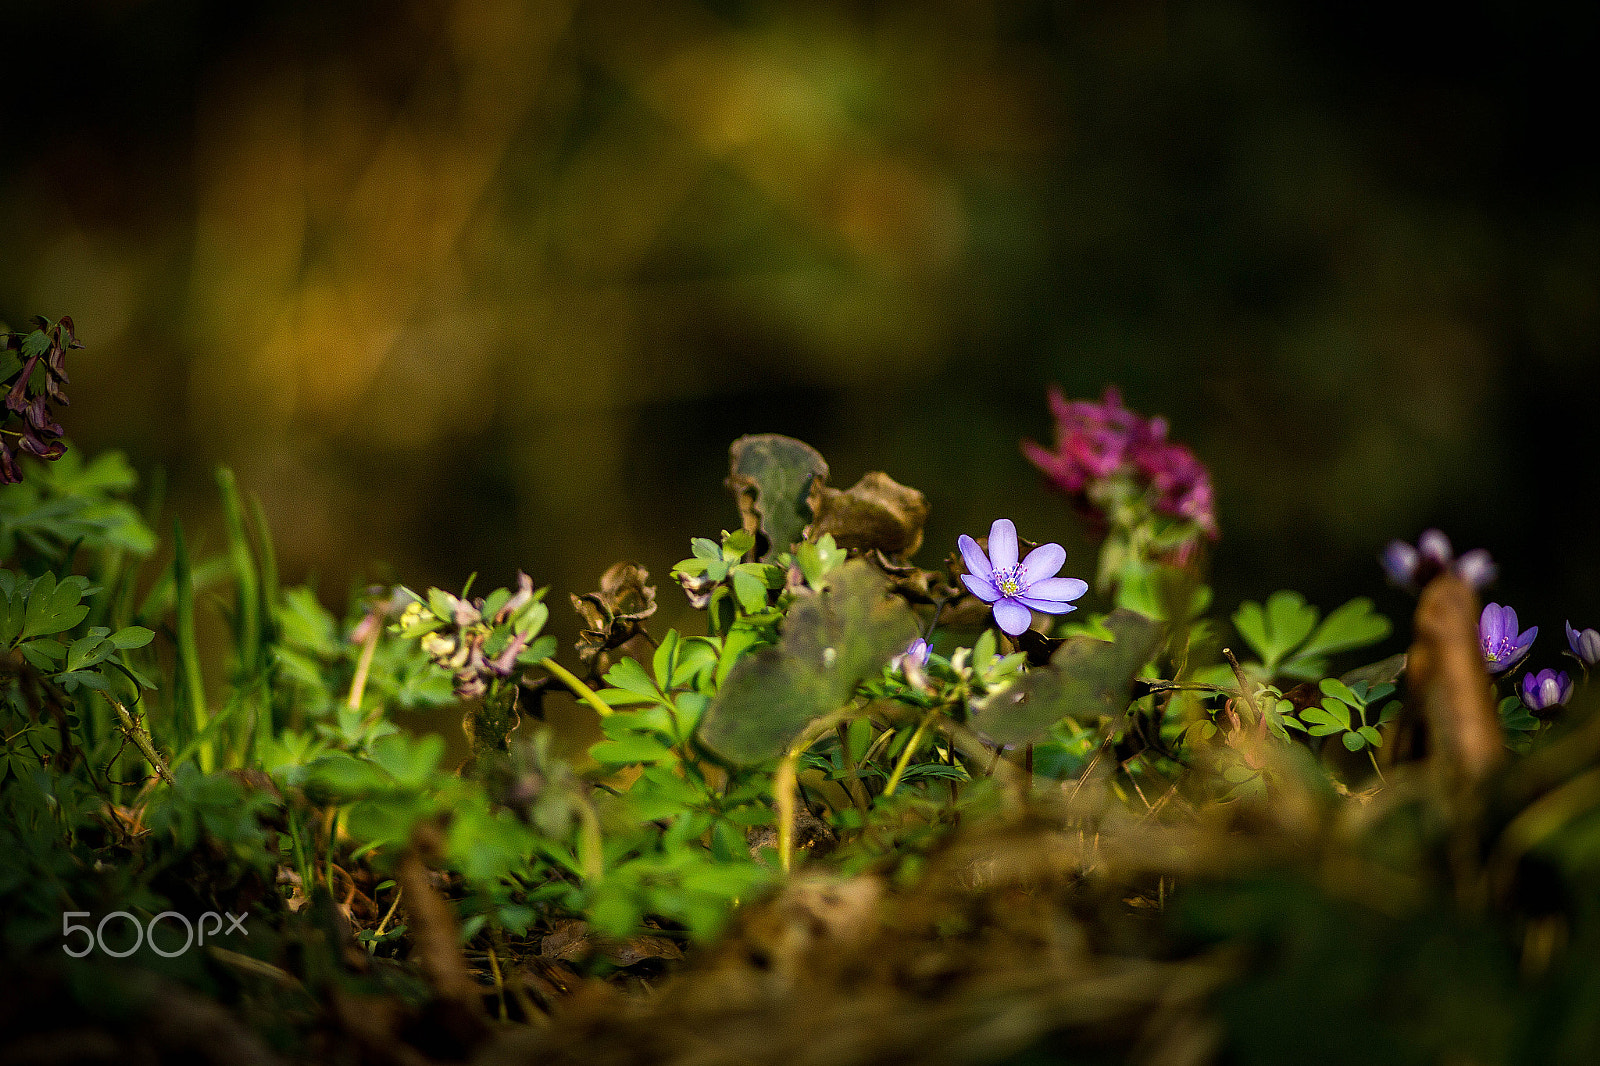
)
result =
(983, 652)
(87, 651)
(1515, 716)
(1354, 625)
(665, 659)
(410, 761)
(11, 615)
(629, 676)
(1372, 736)
(695, 655)
(542, 648)
(1340, 691)
(86, 678)
(832, 640)
(737, 544)
(750, 589)
(617, 697)
(1354, 741)
(771, 476)
(817, 560)
(633, 748)
(51, 649)
(53, 608)
(1276, 630)
(1084, 679)
(130, 637)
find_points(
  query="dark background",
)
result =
(486, 285)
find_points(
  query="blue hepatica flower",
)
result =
(1016, 589)
(1585, 644)
(1546, 689)
(1503, 646)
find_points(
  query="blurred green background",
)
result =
(490, 284)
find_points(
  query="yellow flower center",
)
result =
(1008, 586)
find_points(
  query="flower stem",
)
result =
(853, 786)
(905, 756)
(358, 684)
(582, 691)
(1375, 768)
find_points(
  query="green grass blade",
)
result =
(191, 684)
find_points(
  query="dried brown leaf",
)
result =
(876, 513)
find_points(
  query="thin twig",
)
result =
(134, 730)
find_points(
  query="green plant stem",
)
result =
(1375, 768)
(853, 786)
(786, 781)
(591, 855)
(358, 684)
(193, 689)
(333, 838)
(905, 756)
(137, 733)
(393, 906)
(582, 691)
(306, 879)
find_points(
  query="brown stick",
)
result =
(432, 926)
(1447, 676)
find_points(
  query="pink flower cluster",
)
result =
(1096, 442)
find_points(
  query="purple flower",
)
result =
(1585, 644)
(1412, 568)
(1015, 589)
(916, 654)
(1546, 689)
(1503, 646)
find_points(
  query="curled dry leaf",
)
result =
(615, 614)
(877, 513)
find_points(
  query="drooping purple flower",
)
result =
(1016, 589)
(39, 434)
(1546, 689)
(1585, 644)
(916, 654)
(1413, 568)
(1503, 646)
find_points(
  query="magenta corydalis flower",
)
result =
(1412, 567)
(1017, 589)
(1503, 646)
(1585, 644)
(1546, 689)
(1099, 442)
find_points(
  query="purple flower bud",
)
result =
(1435, 549)
(916, 653)
(1400, 563)
(1585, 644)
(1476, 568)
(1546, 689)
(1503, 646)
